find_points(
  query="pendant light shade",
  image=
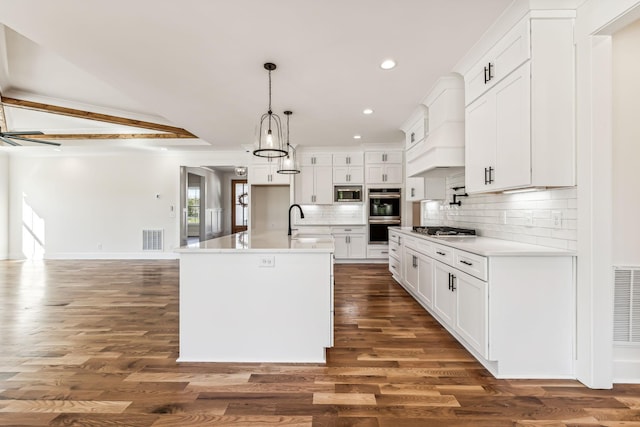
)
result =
(269, 138)
(288, 163)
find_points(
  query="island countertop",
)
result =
(274, 242)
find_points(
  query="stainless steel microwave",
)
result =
(347, 193)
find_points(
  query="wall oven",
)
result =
(384, 212)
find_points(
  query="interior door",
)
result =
(240, 205)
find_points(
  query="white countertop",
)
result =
(262, 242)
(487, 246)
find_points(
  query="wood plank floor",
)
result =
(94, 343)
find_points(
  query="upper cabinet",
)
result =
(313, 185)
(383, 167)
(520, 108)
(263, 171)
(348, 168)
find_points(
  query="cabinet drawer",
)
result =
(472, 264)
(443, 254)
(506, 55)
(357, 229)
(394, 249)
(378, 252)
(394, 266)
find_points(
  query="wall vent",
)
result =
(626, 305)
(152, 240)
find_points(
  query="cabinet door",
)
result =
(259, 174)
(323, 185)
(444, 299)
(513, 134)
(375, 174)
(304, 182)
(356, 174)
(393, 174)
(426, 280)
(357, 246)
(411, 269)
(279, 178)
(471, 311)
(480, 144)
(341, 245)
(415, 189)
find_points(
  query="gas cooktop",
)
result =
(444, 231)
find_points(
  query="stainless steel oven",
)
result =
(384, 212)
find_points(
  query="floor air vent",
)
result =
(626, 300)
(152, 240)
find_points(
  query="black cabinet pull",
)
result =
(413, 137)
(453, 284)
(491, 179)
(441, 253)
(449, 281)
(486, 75)
(466, 263)
(415, 261)
(490, 71)
(486, 179)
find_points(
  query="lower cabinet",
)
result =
(349, 242)
(528, 329)
(461, 301)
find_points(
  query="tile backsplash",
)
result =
(337, 214)
(546, 217)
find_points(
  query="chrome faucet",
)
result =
(301, 214)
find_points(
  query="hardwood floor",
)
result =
(94, 343)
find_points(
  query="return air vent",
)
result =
(152, 240)
(626, 305)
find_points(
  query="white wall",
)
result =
(269, 208)
(521, 217)
(626, 146)
(4, 206)
(96, 206)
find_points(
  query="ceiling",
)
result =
(198, 64)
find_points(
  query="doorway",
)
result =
(240, 203)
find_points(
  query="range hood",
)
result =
(443, 145)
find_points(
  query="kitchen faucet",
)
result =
(301, 214)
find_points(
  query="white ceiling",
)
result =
(198, 64)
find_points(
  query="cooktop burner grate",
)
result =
(444, 231)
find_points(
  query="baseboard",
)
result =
(112, 255)
(626, 364)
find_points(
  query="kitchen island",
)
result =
(252, 297)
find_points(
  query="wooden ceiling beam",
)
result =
(175, 132)
(60, 136)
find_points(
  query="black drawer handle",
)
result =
(441, 253)
(466, 263)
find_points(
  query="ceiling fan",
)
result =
(9, 137)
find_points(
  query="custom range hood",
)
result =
(435, 132)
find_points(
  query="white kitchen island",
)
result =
(256, 298)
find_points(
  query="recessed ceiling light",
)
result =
(357, 136)
(388, 64)
(367, 111)
(164, 149)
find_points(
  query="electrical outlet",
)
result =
(267, 261)
(503, 217)
(556, 218)
(528, 218)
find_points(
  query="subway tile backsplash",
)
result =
(547, 217)
(337, 214)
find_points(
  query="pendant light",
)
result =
(270, 143)
(288, 164)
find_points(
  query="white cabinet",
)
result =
(383, 157)
(520, 113)
(427, 188)
(313, 185)
(461, 302)
(415, 189)
(263, 171)
(509, 337)
(350, 242)
(348, 168)
(498, 136)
